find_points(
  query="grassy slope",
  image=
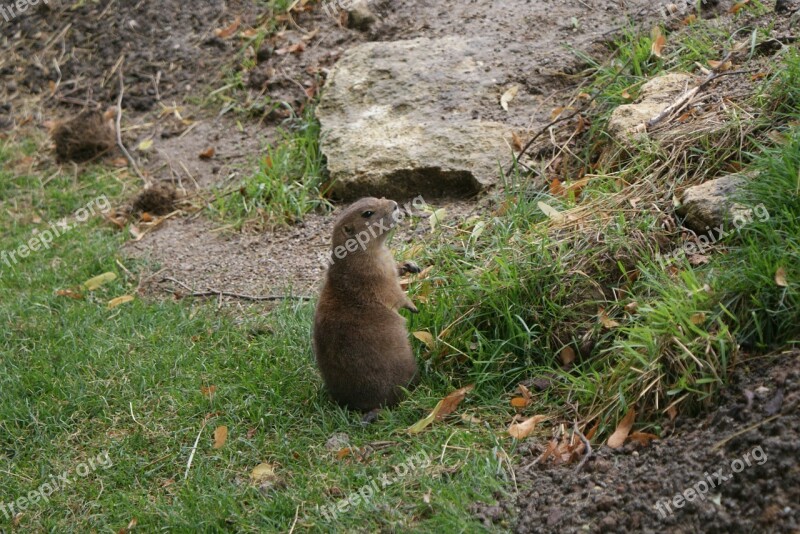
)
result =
(77, 379)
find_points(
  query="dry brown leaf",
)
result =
(672, 412)
(451, 402)
(567, 356)
(296, 48)
(343, 453)
(719, 66)
(508, 96)
(525, 392)
(425, 337)
(146, 217)
(208, 153)
(225, 33)
(642, 438)
(780, 277)
(220, 436)
(590, 434)
(263, 473)
(698, 318)
(516, 142)
(605, 320)
(524, 429)
(69, 293)
(556, 189)
(208, 391)
(689, 20)
(632, 307)
(520, 402)
(623, 429)
(657, 48)
(738, 6)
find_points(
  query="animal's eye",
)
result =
(367, 214)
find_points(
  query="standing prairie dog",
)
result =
(360, 341)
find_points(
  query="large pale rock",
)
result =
(627, 121)
(397, 120)
(710, 205)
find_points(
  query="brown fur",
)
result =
(360, 341)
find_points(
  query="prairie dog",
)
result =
(360, 341)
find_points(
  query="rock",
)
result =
(396, 120)
(360, 16)
(709, 204)
(786, 6)
(627, 121)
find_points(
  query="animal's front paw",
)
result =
(409, 267)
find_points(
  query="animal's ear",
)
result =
(348, 230)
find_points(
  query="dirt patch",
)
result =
(634, 489)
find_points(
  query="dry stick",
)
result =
(567, 117)
(585, 441)
(194, 449)
(119, 128)
(721, 443)
(216, 293)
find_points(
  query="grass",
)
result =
(510, 296)
(289, 183)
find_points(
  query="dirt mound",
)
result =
(734, 470)
(88, 136)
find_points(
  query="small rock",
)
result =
(709, 205)
(360, 16)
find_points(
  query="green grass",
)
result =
(289, 181)
(507, 293)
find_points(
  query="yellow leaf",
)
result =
(113, 303)
(145, 145)
(567, 355)
(443, 408)
(437, 217)
(520, 402)
(623, 429)
(262, 473)
(524, 429)
(698, 318)
(508, 96)
(605, 320)
(780, 277)
(658, 45)
(550, 211)
(220, 436)
(97, 281)
(425, 337)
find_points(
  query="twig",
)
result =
(194, 449)
(744, 431)
(567, 117)
(130, 404)
(588, 445)
(687, 97)
(217, 293)
(119, 128)
(296, 517)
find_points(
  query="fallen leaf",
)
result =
(208, 391)
(642, 438)
(672, 412)
(738, 6)
(437, 217)
(623, 429)
(526, 393)
(556, 189)
(689, 20)
(69, 293)
(220, 436)
(508, 96)
(451, 402)
(524, 429)
(296, 48)
(550, 211)
(698, 318)
(343, 453)
(113, 303)
(208, 153)
(780, 277)
(146, 217)
(719, 66)
(262, 473)
(519, 402)
(516, 142)
(590, 434)
(94, 283)
(605, 320)
(443, 408)
(567, 356)
(631, 307)
(425, 337)
(225, 33)
(145, 145)
(659, 41)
